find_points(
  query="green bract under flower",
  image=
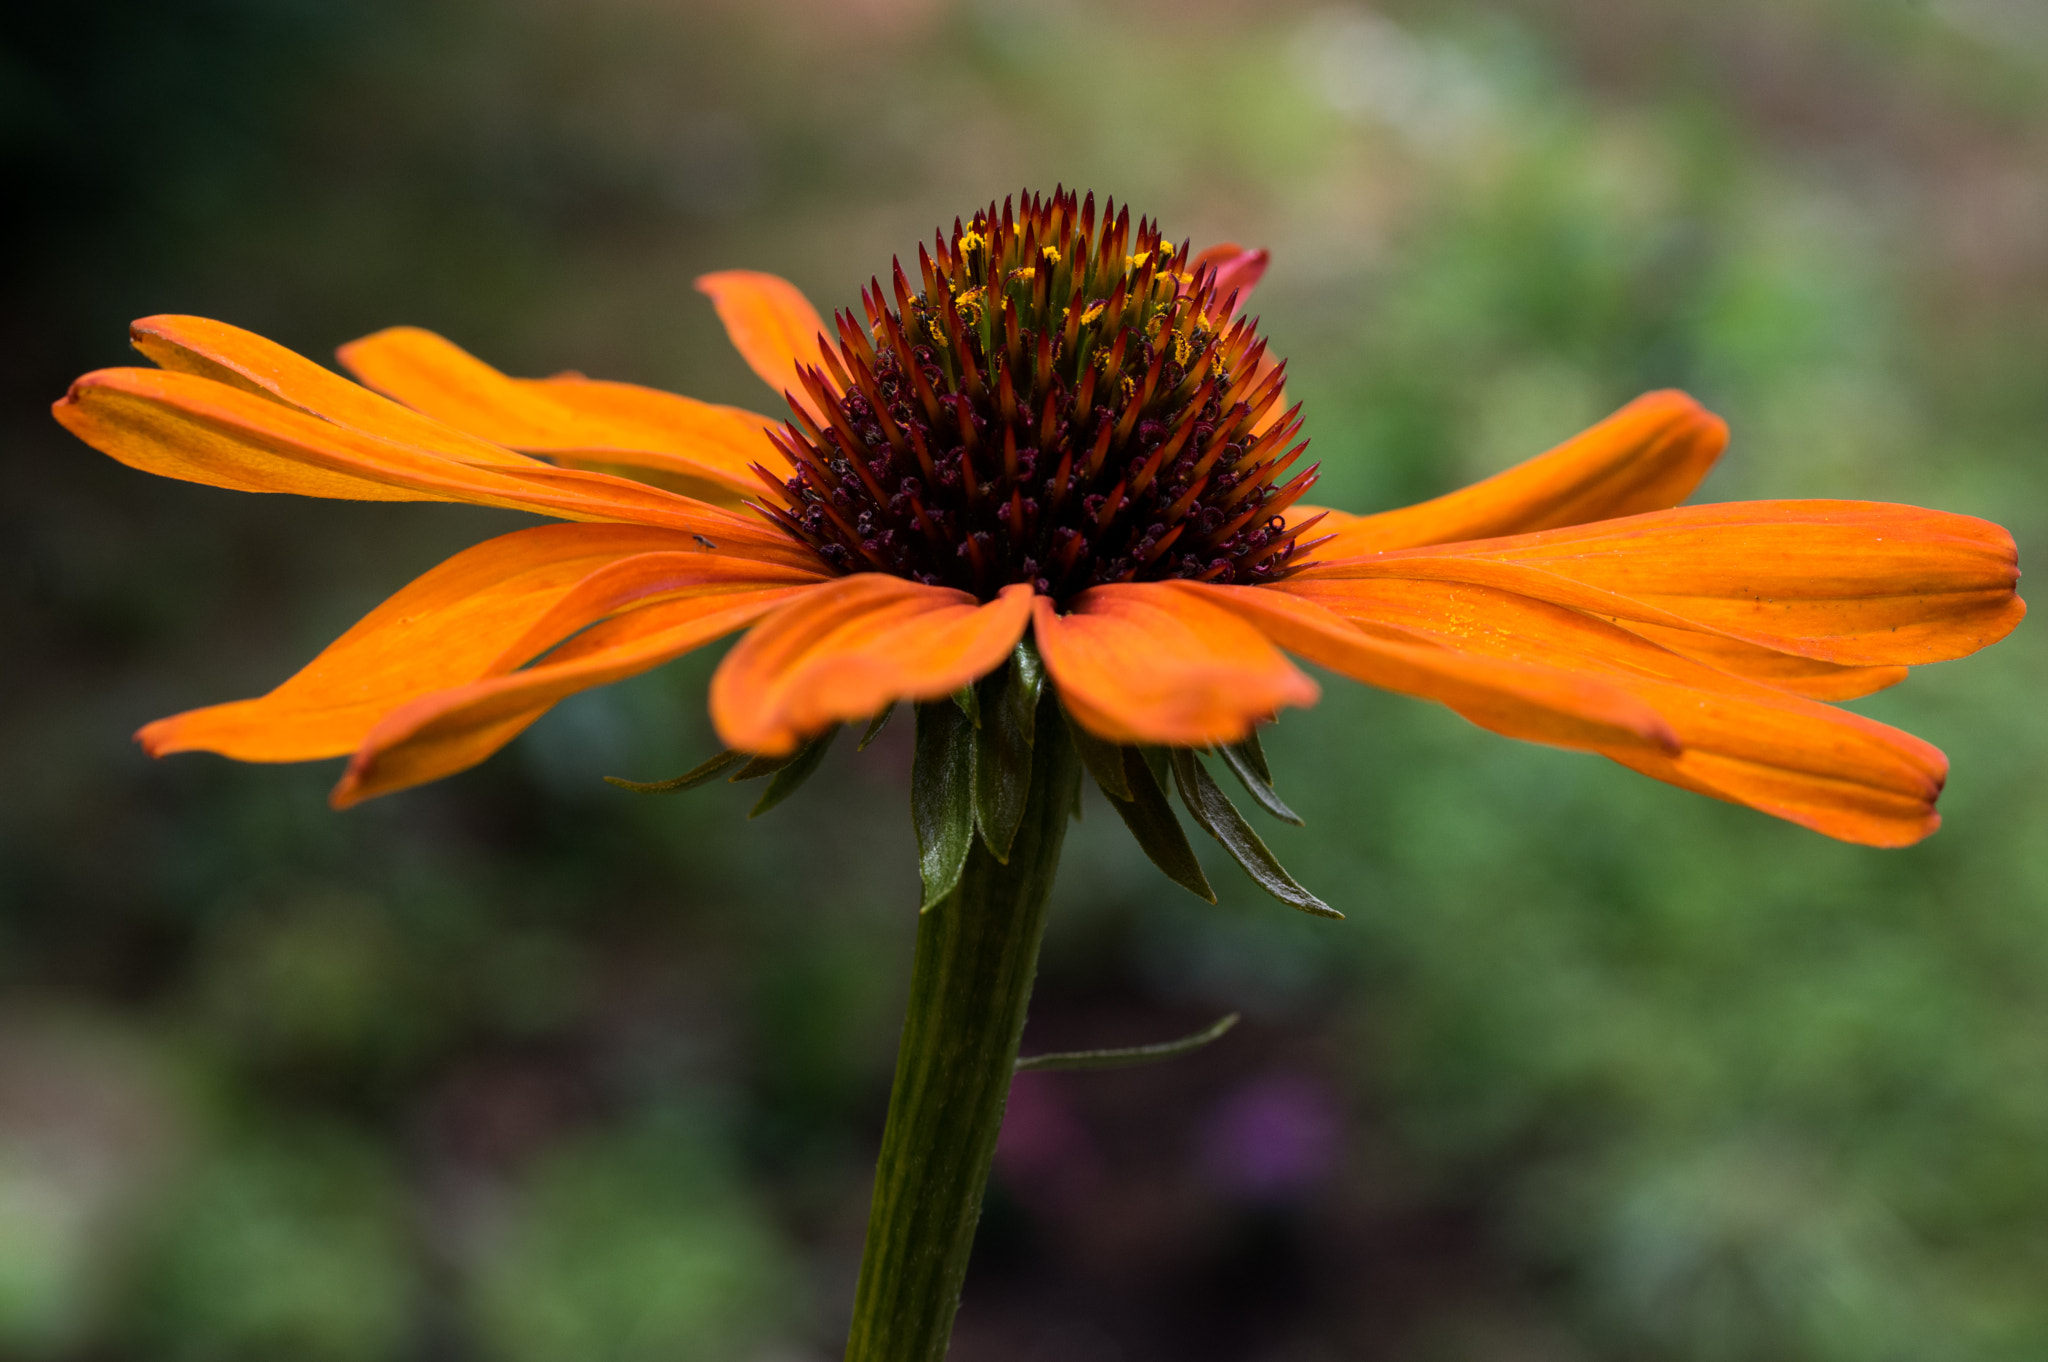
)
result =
(1064, 403)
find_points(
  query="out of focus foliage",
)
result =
(522, 1068)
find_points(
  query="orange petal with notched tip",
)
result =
(1146, 662)
(488, 609)
(198, 430)
(1743, 741)
(447, 731)
(852, 647)
(771, 323)
(1854, 583)
(574, 421)
(1645, 457)
(1534, 703)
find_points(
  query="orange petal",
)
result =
(1238, 272)
(198, 430)
(1147, 662)
(771, 323)
(1799, 675)
(1535, 703)
(575, 421)
(486, 610)
(245, 360)
(448, 731)
(1827, 769)
(851, 647)
(1645, 457)
(1857, 584)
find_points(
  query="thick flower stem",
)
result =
(977, 952)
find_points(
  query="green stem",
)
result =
(977, 952)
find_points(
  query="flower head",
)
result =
(1056, 406)
(1063, 426)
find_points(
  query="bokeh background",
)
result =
(520, 1068)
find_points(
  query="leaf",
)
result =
(875, 727)
(1002, 766)
(1104, 760)
(689, 780)
(1130, 1056)
(1250, 768)
(1150, 819)
(792, 776)
(1220, 819)
(942, 797)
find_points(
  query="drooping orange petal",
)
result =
(486, 610)
(1645, 457)
(1743, 741)
(447, 731)
(1534, 703)
(771, 323)
(1858, 584)
(199, 430)
(242, 359)
(1144, 662)
(853, 646)
(575, 421)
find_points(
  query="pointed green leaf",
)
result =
(1104, 760)
(942, 797)
(1130, 1056)
(1002, 767)
(969, 700)
(791, 778)
(689, 780)
(875, 727)
(1158, 833)
(1250, 770)
(1220, 819)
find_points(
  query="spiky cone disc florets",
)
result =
(1063, 403)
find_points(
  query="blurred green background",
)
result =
(519, 1068)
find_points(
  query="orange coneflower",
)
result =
(1054, 471)
(1066, 426)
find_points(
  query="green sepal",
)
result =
(1104, 760)
(1159, 834)
(1220, 819)
(1248, 764)
(1002, 764)
(689, 780)
(764, 766)
(875, 727)
(968, 698)
(791, 777)
(1129, 1056)
(1254, 756)
(942, 797)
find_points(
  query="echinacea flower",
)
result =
(1067, 427)
(1055, 473)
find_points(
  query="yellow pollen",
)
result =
(1091, 313)
(1049, 254)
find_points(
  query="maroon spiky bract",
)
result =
(1062, 403)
